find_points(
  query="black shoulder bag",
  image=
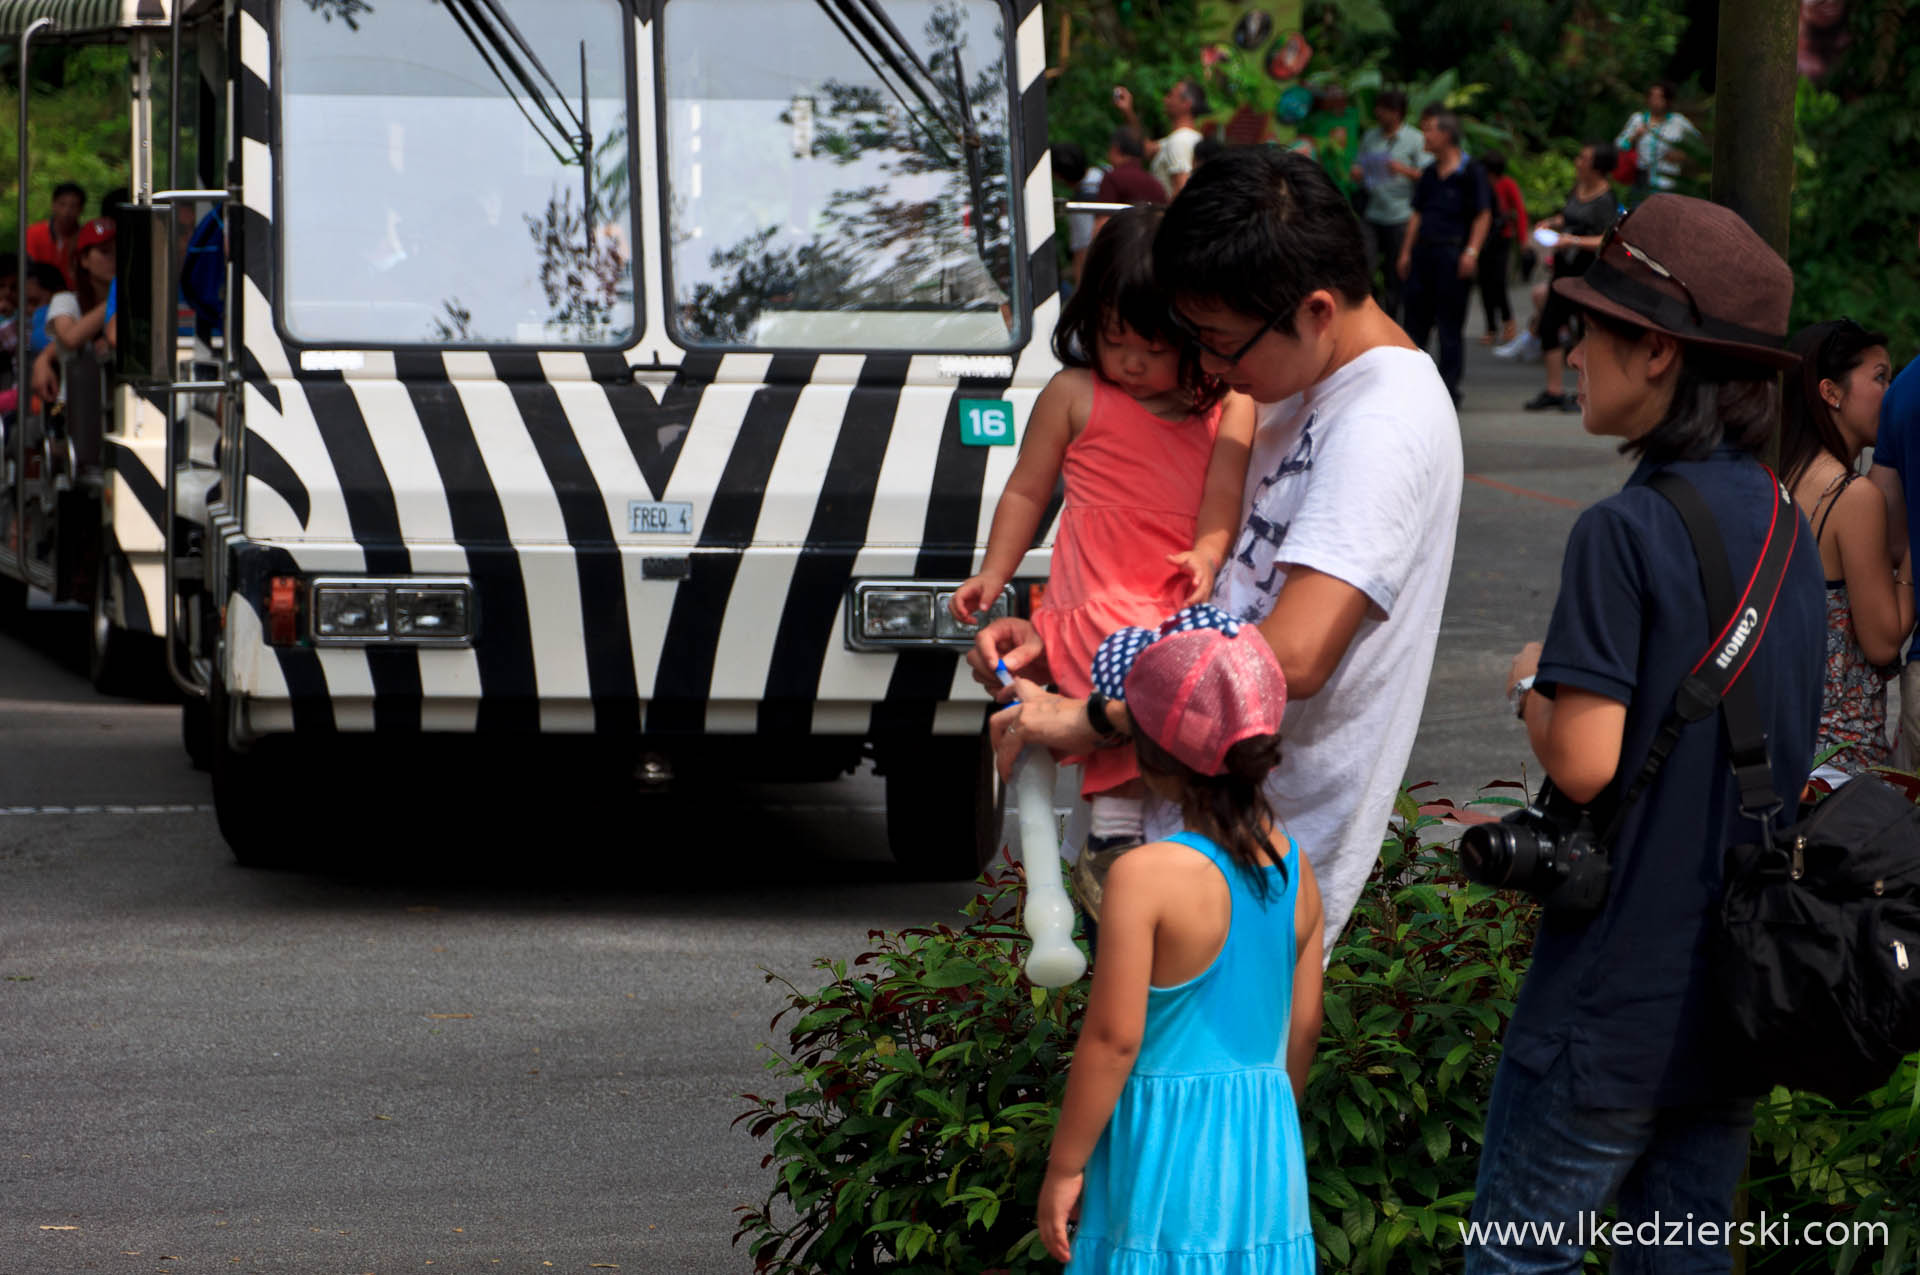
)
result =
(1817, 946)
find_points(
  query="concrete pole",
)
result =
(1753, 113)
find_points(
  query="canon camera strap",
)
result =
(1715, 681)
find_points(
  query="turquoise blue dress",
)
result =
(1200, 1171)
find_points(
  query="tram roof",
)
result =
(72, 17)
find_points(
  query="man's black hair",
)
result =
(47, 275)
(1668, 89)
(113, 199)
(1069, 162)
(1717, 398)
(1118, 285)
(1495, 162)
(1392, 99)
(9, 265)
(1196, 95)
(1256, 230)
(1207, 148)
(71, 188)
(1126, 139)
(1605, 157)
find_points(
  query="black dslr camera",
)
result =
(1550, 850)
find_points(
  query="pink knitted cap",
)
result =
(1198, 693)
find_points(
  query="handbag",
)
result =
(1816, 945)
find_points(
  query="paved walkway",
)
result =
(1528, 476)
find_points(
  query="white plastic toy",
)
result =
(1055, 960)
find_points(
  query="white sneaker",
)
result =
(1525, 348)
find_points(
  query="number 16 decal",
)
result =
(986, 422)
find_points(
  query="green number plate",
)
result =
(986, 422)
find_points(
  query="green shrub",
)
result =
(919, 1086)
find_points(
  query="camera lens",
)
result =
(1486, 853)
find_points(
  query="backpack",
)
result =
(1816, 948)
(1819, 944)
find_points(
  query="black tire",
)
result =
(944, 804)
(250, 791)
(118, 662)
(196, 730)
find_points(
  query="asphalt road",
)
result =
(521, 1051)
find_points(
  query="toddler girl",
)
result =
(1180, 1134)
(1155, 458)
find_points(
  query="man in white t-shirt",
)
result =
(1171, 158)
(1352, 499)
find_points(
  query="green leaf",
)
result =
(1351, 1117)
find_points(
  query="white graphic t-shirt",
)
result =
(1359, 478)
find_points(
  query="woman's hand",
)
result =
(1059, 1205)
(1405, 264)
(1525, 664)
(1200, 571)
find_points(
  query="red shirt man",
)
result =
(56, 240)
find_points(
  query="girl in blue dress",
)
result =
(1178, 1146)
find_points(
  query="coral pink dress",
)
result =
(1134, 483)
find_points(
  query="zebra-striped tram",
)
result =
(642, 371)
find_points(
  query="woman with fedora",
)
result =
(1612, 1087)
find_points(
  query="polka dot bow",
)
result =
(1114, 660)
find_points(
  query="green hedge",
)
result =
(914, 1094)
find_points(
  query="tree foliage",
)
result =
(77, 130)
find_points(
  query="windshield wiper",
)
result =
(855, 39)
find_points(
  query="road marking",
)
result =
(107, 810)
(1511, 490)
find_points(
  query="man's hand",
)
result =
(1404, 265)
(1013, 640)
(1123, 100)
(1040, 720)
(1469, 262)
(46, 378)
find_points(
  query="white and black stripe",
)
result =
(515, 468)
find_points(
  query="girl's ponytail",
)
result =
(1229, 808)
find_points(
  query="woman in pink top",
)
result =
(1154, 454)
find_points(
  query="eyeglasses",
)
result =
(1192, 334)
(1614, 236)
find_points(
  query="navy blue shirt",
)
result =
(1625, 992)
(1898, 444)
(1448, 205)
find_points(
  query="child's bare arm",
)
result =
(1110, 1036)
(1029, 489)
(1304, 1035)
(1221, 499)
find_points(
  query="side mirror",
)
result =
(144, 314)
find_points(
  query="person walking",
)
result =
(1392, 153)
(1615, 1084)
(1832, 415)
(1179, 1137)
(1656, 138)
(1581, 223)
(1170, 159)
(1440, 255)
(1510, 230)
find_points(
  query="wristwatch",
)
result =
(1517, 696)
(1110, 735)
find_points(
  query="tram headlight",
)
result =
(885, 615)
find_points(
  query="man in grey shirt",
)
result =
(1392, 154)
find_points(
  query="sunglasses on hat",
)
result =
(1615, 236)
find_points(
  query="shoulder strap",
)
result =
(1741, 620)
(1846, 480)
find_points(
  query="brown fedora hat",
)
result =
(1695, 271)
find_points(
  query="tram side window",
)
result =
(456, 174)
(837, 184)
